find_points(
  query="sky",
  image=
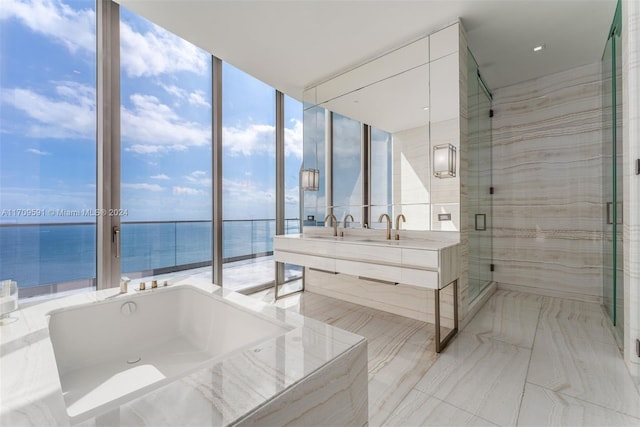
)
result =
(48, 122)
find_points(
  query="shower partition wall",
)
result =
(612, 251)
(479, 182)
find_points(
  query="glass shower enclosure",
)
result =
(612, 250)
(479, 181)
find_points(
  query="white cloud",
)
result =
(247, 199)
(143, 186)
(71, 115)
(38, 152)
(160, 176)
(293, 139)
(155, 52)
(253, 139)
(153, 127)
(188, 191)
(199, 178)
(75, 29)
(158, 51)
(260, 139)
(197, 98)
(194, 98)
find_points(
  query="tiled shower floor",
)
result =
(523, 360)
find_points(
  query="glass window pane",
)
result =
(314, 158)
(292, 167)
(48, 146)
(347, 167)
(249, 179)
(166, 151)
(380, 180)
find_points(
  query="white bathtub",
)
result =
(113, 351)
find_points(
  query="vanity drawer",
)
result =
(420, 258)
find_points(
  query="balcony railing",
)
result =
(64, 255)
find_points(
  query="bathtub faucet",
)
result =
(124, 285)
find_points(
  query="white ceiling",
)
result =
(291, 45)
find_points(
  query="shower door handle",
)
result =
(116, 240)
(481, 222)
(609, 219)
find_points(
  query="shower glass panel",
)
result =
(479, 182)
(613, 276)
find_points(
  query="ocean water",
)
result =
(45, 254)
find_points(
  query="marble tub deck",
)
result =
(311, 374)
(524, 359)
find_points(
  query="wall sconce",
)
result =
(310, 179)
(444, 161)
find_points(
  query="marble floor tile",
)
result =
(585, 369)
(573, 371)
(576, 320)
(543, 407)
(510, 317)
(421, 409)
(484, 376)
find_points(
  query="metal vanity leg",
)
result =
(441, 345)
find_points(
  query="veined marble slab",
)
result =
(547, 174)
(585, 369)
(483, 376)
(511, 317)
(235, 389)
(543, 407)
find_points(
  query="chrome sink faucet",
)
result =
(384, 215)
(398, 218)
(335, 223)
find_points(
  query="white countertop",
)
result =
(434, 244)
(30, 390)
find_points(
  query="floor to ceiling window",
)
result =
(347, 167)
(166, 174)
(163, 171)
(380, 179)
(314, 146)
(48, 145)
(292, 166)
(249, 180)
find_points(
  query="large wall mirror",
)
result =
(371, 131)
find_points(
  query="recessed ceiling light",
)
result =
(539, 48)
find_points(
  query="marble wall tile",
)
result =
(549, 260)
(544, 407)
(548, 210)
(411, 166)
(444, 208)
